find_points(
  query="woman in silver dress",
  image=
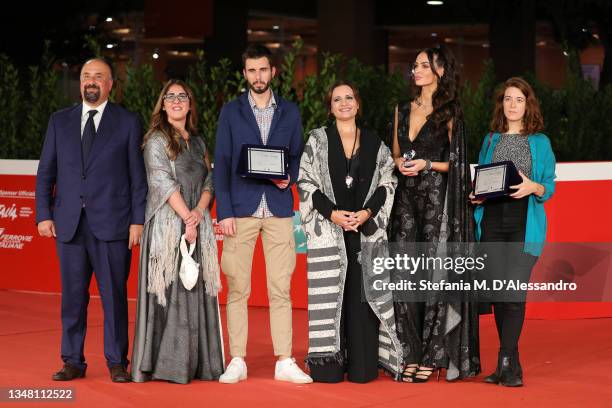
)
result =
(178, 331)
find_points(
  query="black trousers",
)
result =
(504, 221)
(359, 328)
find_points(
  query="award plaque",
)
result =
(495, 179)
(267, 162)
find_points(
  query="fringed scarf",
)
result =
(164, 226)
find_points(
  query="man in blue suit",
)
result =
(91, 188)
(248, 207)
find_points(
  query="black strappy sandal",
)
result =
(409, 372)
(422, 374)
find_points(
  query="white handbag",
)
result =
(189, 268)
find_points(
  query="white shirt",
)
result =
(96, 119)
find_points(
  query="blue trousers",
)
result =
(83, 255)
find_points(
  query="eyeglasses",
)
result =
(182, 97)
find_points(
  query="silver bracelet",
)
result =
(428, 165)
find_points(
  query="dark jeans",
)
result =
(505, 221)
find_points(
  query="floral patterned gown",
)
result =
(435, 333)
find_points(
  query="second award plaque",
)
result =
(495, 179)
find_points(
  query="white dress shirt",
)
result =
(97, 118)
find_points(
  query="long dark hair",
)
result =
(159, 120)
(533, 122)
(445, 100)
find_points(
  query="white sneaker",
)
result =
(287, 370)
(235, 371)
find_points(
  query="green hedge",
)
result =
(578, 118)
(26, 101)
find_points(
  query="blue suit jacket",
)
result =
(112, 184)
(238, 196)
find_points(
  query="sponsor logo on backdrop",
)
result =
(299, 234)
(8, 212)
(18, 194)
(217, 228)
(12, 211)
(9, 241)
(25, 212)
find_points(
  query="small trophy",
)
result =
(409, 155)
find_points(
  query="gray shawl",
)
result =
(327, 260)
(165, 226)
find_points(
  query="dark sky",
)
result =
(24, 28)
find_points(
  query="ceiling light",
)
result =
(109, 19)
(121, 31)
(435, 2)
(275, 27)
(176, 53)
(109, 46)
(155, 55)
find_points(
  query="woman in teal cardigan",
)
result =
(519, 220)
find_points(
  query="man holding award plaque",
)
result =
(257, 157)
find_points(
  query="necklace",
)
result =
(348, 179)
(420, 103)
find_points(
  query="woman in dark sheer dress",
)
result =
(177, 331)
(431, 206)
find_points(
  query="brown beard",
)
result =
(259, 91)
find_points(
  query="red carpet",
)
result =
(567, 363)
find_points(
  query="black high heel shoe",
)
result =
(409, 372)
(423, 373)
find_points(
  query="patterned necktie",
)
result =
(89, 133)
